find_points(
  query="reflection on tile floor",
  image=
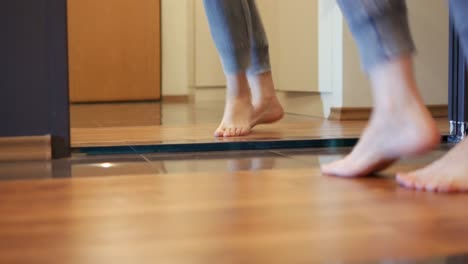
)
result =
(81, 165)
(329, 155)
(325, 156)
(454, 259)
(115, 165)
(221, 162)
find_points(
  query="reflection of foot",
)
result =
(448, 174)
(400, 126)
(237, 118)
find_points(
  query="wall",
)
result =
(297, 41)
(311, 50)
(429, 26)
(176, 46)
(207, 66)
(330, 55)
(187, 43)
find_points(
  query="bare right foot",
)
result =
(238, 111)
(237, 119)
(400, 126)
(448, 174)
(388, 137)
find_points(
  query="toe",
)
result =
(432, 184)
(419, 183)
(328, 169)
(219, 132)
(245, 131)
(232, 132)
(445, 187)
(334, 169)
(406, 180)
(229, 132)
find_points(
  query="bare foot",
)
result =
(245, 109)
(388, 137)
(238, 111)
(238, 115)
(267, 112)
(267, 108)
(448, 174)
(400, 125)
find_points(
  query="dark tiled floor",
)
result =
(113, 165)
(329, 155)
(175, 176)
(455, 259)
(221, 162)
(81, 165)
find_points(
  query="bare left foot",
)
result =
(448, 174)
(267, 112)
(267, 108)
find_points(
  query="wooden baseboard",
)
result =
(363, 113)
(25, 148)
(176, 98)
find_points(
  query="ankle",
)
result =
(237, 86)
(264, 99)
(394, 105)
(394, 84)
(262, 86)
(238, 99)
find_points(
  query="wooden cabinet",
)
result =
(114, 50)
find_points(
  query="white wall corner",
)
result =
(175, 52)
(330, 54)
(191, 26)
(430, 30)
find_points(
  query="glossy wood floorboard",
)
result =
(270, 216)
(203, 133)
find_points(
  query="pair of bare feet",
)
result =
(250, 101)
(401, 126)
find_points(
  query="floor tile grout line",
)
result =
(279, 153)
(148, 162)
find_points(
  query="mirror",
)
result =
(148, 73)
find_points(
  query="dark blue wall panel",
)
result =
(34, 71)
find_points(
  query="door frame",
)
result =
(458, 88)
(34, 81)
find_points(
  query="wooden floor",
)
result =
(269, 206)
(266, 216)
(203, 133)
